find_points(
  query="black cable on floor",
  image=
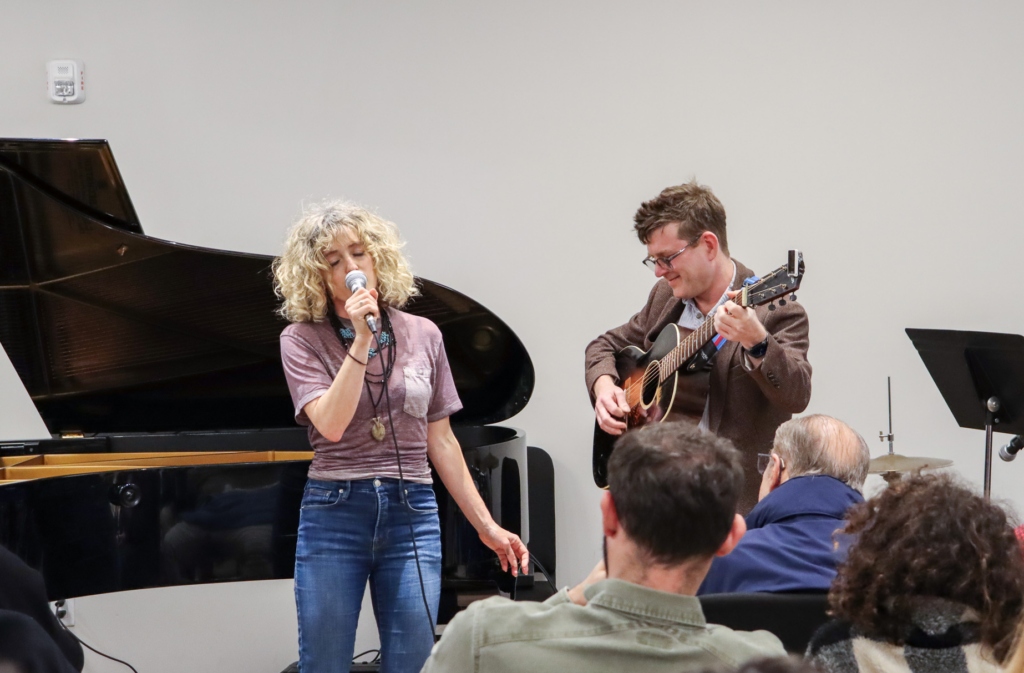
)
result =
(375, 659)
(85, 644)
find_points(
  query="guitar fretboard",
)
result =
(686, 349)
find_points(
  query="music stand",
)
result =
(981, 377)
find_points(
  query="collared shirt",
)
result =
(623, 627)
(692, 318)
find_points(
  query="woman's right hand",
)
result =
(362, 303)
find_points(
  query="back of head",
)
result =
(929, 537)
(693, 207)
(675, 490)
(821, 444)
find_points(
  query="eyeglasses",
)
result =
(765, 459)
(666, 262)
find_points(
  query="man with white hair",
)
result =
(814, 473)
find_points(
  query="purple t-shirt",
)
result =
(421, 391)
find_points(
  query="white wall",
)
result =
(512, 144)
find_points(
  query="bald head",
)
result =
(823, 445)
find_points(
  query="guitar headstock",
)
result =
(776, 285)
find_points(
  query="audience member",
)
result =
(815, 472)
(25, 647)
(933, 582)
(670, 508)
(22, 591)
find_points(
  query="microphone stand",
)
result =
(978, 374)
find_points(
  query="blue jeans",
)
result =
(351, 531)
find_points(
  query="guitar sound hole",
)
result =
(650, 384)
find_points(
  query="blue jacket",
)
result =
(789, 545)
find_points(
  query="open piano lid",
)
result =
(112, 331)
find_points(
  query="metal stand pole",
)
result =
(988, 459)
(991, 406)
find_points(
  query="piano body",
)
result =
(174, 457)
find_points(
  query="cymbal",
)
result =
(894, 462)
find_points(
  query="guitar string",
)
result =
(685, 345)
(636, 388)
(689, 345)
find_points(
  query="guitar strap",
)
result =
(704, 358)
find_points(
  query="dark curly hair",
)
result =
(929, 536)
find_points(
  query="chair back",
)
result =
(793, 618)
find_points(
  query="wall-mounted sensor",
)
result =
(65, 81)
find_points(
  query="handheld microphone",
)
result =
(1009, 452)
(356, 280)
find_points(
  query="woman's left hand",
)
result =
(445, 453)
(509, 548)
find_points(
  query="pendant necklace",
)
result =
(377, 424)
(387, 338)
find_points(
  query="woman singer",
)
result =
(377, 408)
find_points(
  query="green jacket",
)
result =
(623, 627)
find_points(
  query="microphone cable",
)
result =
(537, 564)
(376, 658)
(398, 457)
(386, 375)
(85, 644)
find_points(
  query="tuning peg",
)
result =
(782, 302)
(771, 306)
(792, 297)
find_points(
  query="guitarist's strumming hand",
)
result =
(610, 405)
(739, 324)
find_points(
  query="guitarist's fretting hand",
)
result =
(739, 324)
(610, 405)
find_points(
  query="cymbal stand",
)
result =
(881, 436)
(889, 477)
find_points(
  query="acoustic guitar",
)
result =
(649, 378)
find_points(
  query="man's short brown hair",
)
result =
(675, 489)
(693, 207)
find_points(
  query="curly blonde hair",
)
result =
(299, 271)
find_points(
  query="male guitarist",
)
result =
(757, 380)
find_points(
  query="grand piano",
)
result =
(174, 457)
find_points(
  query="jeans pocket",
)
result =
(316, 497)
(417, 391)
(420, 498)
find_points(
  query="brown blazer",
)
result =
(744, 406)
